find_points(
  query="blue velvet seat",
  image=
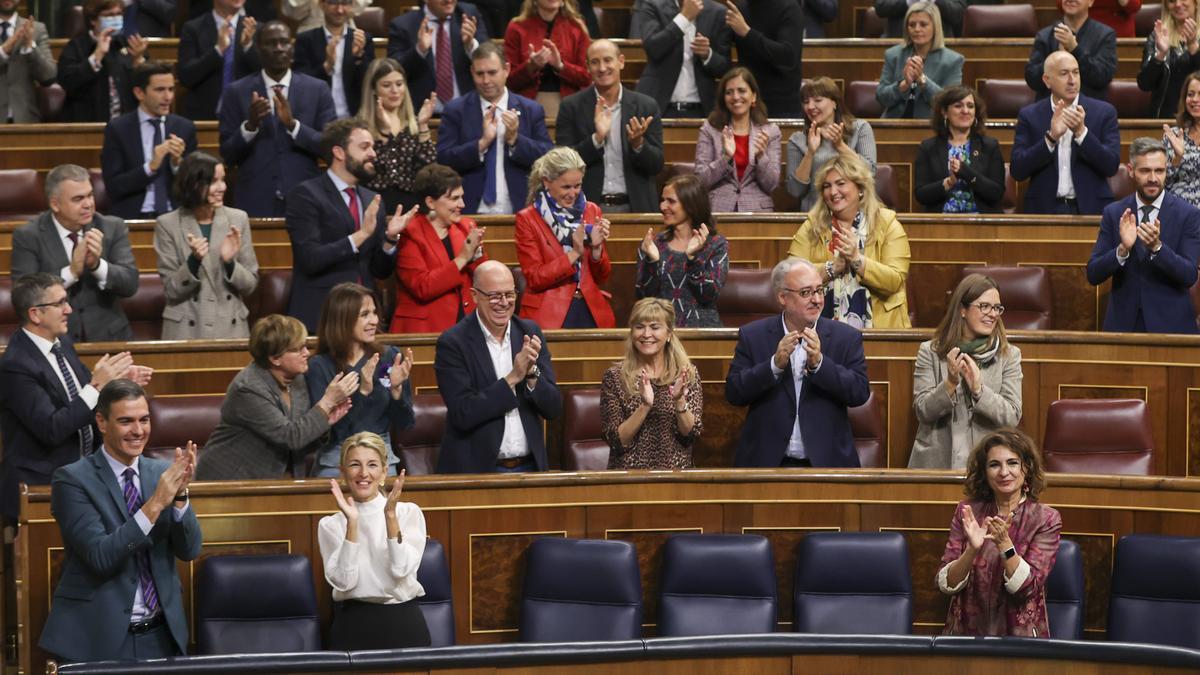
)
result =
(1064, 593)
(1155, 596)
(581, 590)
(853, 583)
(438, 602)
(262, 604)
(717, 584)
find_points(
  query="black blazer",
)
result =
(575, 126)
(422, 78)
(1096, 54)
(477, 399)
(319, 224)
(40, 423)
(262, 10)
(86, 89)
(155, 18)
(122, 161)
(663, 41)
(200, 66)
(985, 173)
(772, 51)
(310, 60)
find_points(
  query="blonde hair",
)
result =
(675, 358)
(379, 69)
(529, 8)
(855, 169)
(935, 17)
(550, 166)
(365, 439)
(1173, 38)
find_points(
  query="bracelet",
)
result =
(829, 270)
(685, 409)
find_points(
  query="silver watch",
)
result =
(533, 373)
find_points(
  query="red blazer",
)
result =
(572, 41)
(550, 279)
(431, 286)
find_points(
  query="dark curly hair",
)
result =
(948, 97)
(976, 485)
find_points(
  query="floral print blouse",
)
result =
(1184, 181)
(398, 159)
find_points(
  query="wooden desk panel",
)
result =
(487, 522)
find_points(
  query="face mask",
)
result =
(114, 22)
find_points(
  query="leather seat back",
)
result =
(1099, 436)
(717, 584)
(418, 447)
(581, 590)
(438, 602)
(1155, 594)
(1024, 292)
(256, 604)
(853, 582)
(1065, 594)
(584, 449)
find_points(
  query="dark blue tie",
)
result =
(162, 179)
(130, 25)
(489, 165)
(85, 432)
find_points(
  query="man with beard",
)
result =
(270, 125)
(338, 228)
(1149, 243)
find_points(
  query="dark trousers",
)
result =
(368, 625)
(155, 643)
(793, 462)
(578, 315)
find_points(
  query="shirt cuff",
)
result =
(1079, 139)
(819, 364)
(776, 371)
(350, 238)
(598, 146)
(94, 63)
(147, 169)
(943, 583)
(295, 129)
(101, 274)
(681, 21)
(247, 135)
(1017, 580)
(1122, 258)
(67, 276)
(90, 396)
(143, 522)
(707, 58)
(178, 512)
(3, 54)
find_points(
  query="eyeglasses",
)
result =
(806, 293)
(59, 304)
(498, 297)
(988, 308)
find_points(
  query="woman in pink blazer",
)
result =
(737, 154)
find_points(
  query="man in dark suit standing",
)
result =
(1092, 44)
(142, 149)
(798, 373)
(687, 48)
(769, 36)
(337, 53)
(434, 43)
(271, 124)
(216, 48)
(1067, 145)
(494, 372)
(150, 18)
(338, 228)
(90, 252)
(617, 132)
(1149, 244)
(46, 393)
(492, 136)
(125, 521)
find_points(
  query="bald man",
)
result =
(1066, 145)
(1091, 43)
(493, 370)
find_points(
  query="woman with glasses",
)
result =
(967, 381)
(438, 251)
(651, 403)
(268, 424)
(860, 246)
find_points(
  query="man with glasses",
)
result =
(494, 373)
(47, 395)
(799, 373)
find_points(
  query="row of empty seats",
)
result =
(578, 590)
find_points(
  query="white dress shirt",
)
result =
(337, 85)
(1137, 214)
(286, 81)
(513, 443)
(68, 277)
(686, 90)
(798, 359)
(374, 568)
(614, 150)
(503, 199)
(1066, 183)
(147, 136)
(433, 21)
(87, 392)
(221, 22)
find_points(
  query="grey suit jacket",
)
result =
(209, 305)
(576, 125)
(20, 71)
(258, 437)
(943, 67)
(663, 41)
(727, 192)
(97, 312)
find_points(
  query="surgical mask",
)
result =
(116, 23)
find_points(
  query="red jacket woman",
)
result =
(567, 55)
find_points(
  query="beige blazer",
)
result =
(212, 304)
(20, 71)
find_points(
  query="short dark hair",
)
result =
(487, 49)
(117, 390)
(948, 97)
(29, 290)
(434, 180)
(143, 73)
(192, 179)
(976, 485)
(262, 30)
(93, 8)
(337, 135)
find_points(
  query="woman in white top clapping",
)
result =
(372, 549)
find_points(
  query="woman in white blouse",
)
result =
(372, 549)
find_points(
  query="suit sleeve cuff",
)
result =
(681, 21)
(1017, 580)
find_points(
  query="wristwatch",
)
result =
(533, 373)
(183, 498)
(1010, 552)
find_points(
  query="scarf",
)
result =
(982, 349)
(849, 299)
(561, 220)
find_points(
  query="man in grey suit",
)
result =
(687, 47)
(125, 519)
(24, 59)
(90, 252)
(617, 132)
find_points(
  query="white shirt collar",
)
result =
(43, 345)
(144, 116)
(432, 17)
(502, 104)
(340, 184)
(118, 469)
(487, 334)
(347, 29)
(220, 20)
(286, 81)
(63, 232)
(1157, 203)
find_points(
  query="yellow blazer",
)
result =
(884, 268)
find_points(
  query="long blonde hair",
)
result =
(675, 358)
(855, 169)
(379, 69)
(1173, 38)
(529, 8)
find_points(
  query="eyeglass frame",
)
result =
(806, 293)
(59, 304)
(997, 308)
(496, 297)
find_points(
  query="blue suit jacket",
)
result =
(422, 79)
(90, 614)
(477, 400)
(122, 161)
(319, 225)
(1157, 287)
(840, 383)
(40, 423)
(458, 146)
(272, 163)
(1092, 161)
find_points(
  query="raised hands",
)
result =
(93, 248)
(399, 222)
(602, 120)
(470, 249)
(136, 45)
(225, 36)
(426, 112)
(649, 248)
(678, 388)
(199, 245)
(1065, 37)
(249, 27)
(1174, 136)
(512, 121)
(21, 38)
(975, 532)
(467, 32)
(425, 37)
(690, 9)
(103, 44)
(531, 347)
(490, 129)
(110, 368)
(366, 375)
(1058, 120)
(812, 347)
(701, 47)
(173, 482)
(697, 240)
(337, 394)
(787, 345)
(952, 168)
(636, 130)
(970, 372)
(537, 58)
(735, 20)
(761, 140)
(343, 504)
(553, 56)
(728, 142)
(1127, 229)
(1149, 234)
(283, 110)
(231, 244)
(1162, 40)
(953, 369)
(260, 107)
(645, 388)
(359, 43)
(1075, 117)
(399, 372)
(332, 47)
(600, 231)
(393, 495)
